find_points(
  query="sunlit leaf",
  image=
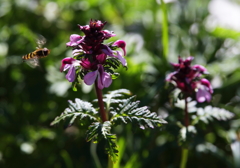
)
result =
(209, 113)
(128, 110)
(79, 109)
(98, 131)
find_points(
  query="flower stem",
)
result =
(100, 103)
(185, 149)
(186, 118)
(184, 157)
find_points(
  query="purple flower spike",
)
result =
(121, 44)
(75, 40)
(70, 64)
(188, 79)
(92, 55)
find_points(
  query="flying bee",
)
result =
(32, 58)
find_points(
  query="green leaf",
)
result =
(111, 146)
(80, 109)
(93, 132)
(115, 96)
(97, 131)
(225, 33)
(209, 113)
(111, 64)
(115, 75)
(74, 86)
(186, 134)
(128, 110)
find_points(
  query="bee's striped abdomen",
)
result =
(29, 56)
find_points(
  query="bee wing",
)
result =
(34, 62)
(41, 40)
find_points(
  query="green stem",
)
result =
(103, 114)
(110, 163)
(93, 148)
(184, 158)
(164, 30)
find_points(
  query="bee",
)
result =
(32, 58)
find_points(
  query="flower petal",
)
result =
(71, 75)
(203, 95)
(68, 61)
(101, 58)
(90, 77)
(200, 96)
(75, 39)
(104, 79)
(108, 34)
(107, 50)
(67, 66)
(121, 44)
(121, 59)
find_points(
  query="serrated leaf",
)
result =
(209, 113)
(97, 131)
(111, 147)
(128, 110)
(185, 133)
(115, 96)
(93, 132)
(76, 109)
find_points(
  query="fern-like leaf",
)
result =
(209, 113)
(115, 96)
(93, 132)
(185, 135)
(128, 110)
(97, 131)
(111, 146)
(80, 109)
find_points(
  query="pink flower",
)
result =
(70, 64)
(188, 79)
(107, 50)
(121, 44)
(75, 40)
(204, 91)
(103, 78)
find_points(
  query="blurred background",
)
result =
(30, 98)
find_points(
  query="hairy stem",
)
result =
(103, 114)
(184, 157)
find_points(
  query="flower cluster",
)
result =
(188, 79)
(92, 60)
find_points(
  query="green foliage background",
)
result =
(31, 98)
